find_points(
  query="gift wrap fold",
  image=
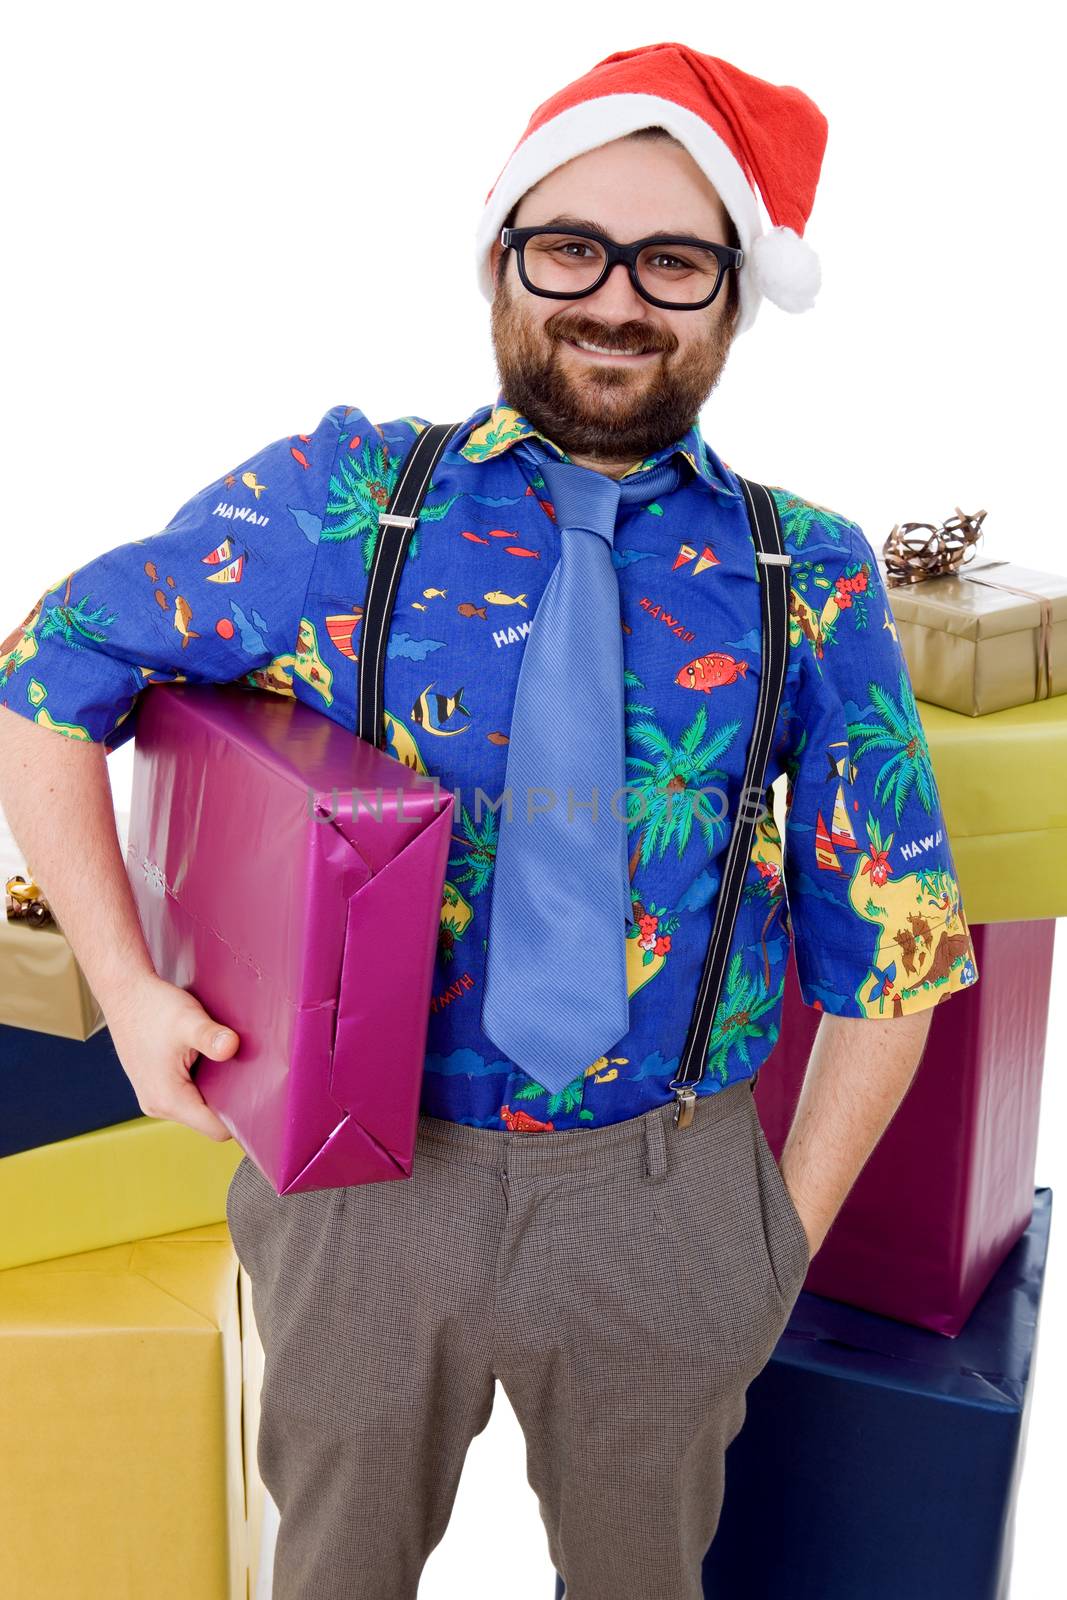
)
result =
(992, 635)
(290, 875)
(111, 1186)
(122, 1472)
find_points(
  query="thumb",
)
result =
(216, 1041)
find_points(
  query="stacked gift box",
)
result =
(126, 1387)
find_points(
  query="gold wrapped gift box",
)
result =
(974, 643)
(123, 1468)
(41, 984)
(129, 1181)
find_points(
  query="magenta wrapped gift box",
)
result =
(949, 1188)
(289, 875)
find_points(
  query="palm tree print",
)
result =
(359, 490)
(898, 730)
(559, 1102)
(799, 517)
(666, 797)
(477, 862)
(744, 1003)
(73, 624)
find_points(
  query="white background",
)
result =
(224, 219)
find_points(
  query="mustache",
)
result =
(629, 338)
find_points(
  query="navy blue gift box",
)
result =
(879, 1461)
(53, 1088)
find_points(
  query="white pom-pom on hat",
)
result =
(785, 268)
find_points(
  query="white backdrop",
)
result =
(224, 219)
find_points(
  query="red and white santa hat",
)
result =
(751, 138)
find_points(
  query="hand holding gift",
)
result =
(159, 1031)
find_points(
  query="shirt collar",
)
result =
(494, 429)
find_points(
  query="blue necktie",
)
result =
(556, 996)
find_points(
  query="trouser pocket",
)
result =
(787, 1241)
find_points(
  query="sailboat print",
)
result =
(825, 856)
(844, 770)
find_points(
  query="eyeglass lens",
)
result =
(567, 263)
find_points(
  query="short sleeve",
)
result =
(214, 596)
(878, 923)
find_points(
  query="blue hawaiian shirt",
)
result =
(259, 578)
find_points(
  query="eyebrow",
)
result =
(681, 234)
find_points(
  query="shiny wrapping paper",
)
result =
(948, 1190)
(974, 644)
(290, 876)
(122, 1470)
(41, 984)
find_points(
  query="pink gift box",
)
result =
(289, 875)
(949, 1188)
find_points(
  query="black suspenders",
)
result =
(395, 527)
(772, 564)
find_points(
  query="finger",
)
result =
(190, 1107)
(214, 1040)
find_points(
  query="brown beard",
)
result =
(607, 413)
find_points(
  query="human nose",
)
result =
(616, 297)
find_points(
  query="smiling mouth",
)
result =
(588, 348)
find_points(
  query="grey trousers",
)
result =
(625, 1284)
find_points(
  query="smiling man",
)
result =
(579, 612)
(615, 378)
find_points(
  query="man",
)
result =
(623, 1271)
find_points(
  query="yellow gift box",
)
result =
(129, 1181)
(1003, 785)
(122, 1469)
(252, 1374)
(991, 636)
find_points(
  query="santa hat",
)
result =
(748, 136)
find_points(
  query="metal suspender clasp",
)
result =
(772, 558)
(390, 520)
(686, 1099)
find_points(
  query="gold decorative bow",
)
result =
(25, 902)
(910, 558)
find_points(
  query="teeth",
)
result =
(599, 348)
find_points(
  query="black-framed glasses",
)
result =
(567, 263)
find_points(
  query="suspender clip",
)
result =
(686, 1099)
(770, 557)
(391, 520)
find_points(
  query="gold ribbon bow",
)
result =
(911, 559)
(25, 902)
(943, 553)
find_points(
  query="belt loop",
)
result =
(655, 1144)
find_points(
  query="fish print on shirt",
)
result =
(269, 594)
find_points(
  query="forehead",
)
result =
(638, 186)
